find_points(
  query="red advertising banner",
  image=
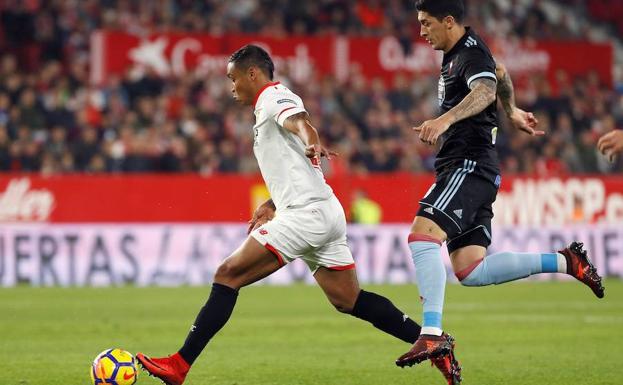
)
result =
(384, 57)
(193, 198)
(173, 54)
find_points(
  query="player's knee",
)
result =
(470, 276)
(226, 272)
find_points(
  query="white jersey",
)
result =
(290, 176)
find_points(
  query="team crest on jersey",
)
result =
(441, 90)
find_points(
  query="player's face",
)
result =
(241, 87)
(433, 30)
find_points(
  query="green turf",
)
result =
(524, 333)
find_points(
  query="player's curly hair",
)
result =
(252, 55)
(442, 8)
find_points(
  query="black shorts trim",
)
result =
(469, 238)
(434, 218)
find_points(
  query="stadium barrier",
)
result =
(174, 230)
(188, 254)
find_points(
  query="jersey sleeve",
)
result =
(477, 64)
(283, 105)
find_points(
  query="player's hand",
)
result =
(262, 214)
(525, 121)
(611, 144)
(431, 130)
(318, 151)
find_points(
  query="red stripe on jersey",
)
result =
(340, 268)
(274, 251)
(257, 96)
(284, 110)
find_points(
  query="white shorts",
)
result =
(316, 233)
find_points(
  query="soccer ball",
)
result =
(115, 367)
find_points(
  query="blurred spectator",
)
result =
(364, 210)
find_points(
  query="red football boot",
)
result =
(171, 370)
(580, 267)
(448, 364)
(426, 347)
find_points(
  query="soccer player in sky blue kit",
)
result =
(458, 207)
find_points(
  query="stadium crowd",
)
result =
(53, 121)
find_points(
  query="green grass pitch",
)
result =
(522, 333)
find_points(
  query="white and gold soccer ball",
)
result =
(114, 367)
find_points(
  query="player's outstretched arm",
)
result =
(262, 214)
(300, 125)
(520, 119)
(482, 95)
(611, 144)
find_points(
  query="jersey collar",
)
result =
(461, 41)
(257, 96)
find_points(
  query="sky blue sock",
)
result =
(506, 266)
(431, 278)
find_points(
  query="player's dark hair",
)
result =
(252, 55)
(442, 8)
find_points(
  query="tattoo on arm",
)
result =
(482, 95)
(506, 93)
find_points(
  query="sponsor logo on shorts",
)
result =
(263, 231)
(459, 213)
(429, 210)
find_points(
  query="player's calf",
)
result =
(509, 266)
(506, 266)
(383, 315)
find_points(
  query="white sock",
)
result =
(431, 330)
(562, 263)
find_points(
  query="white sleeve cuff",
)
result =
(485, 74)
(287, 112)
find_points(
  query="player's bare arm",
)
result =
(520, 119)
(611, 144)
(300, 124)
(262, 214)
(505, 89)
(482, 95)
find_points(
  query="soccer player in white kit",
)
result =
(303, 219)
